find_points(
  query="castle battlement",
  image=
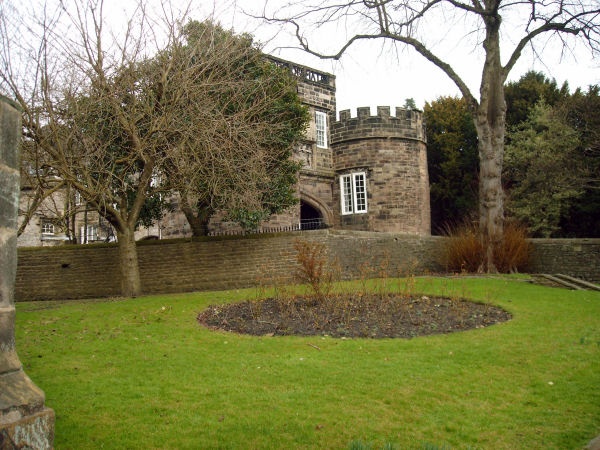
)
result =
(405, 124)
(383, 112)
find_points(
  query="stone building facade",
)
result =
(363, 173)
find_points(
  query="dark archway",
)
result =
(310, 217)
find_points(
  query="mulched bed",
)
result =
(373, 316)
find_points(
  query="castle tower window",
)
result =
(354, 193)
(321, 129)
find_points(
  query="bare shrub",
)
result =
(314, 268)
(464, 250)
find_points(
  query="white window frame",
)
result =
(321, 129)
(347, 199)
(88, 234)
(48, 228)
(353, 193)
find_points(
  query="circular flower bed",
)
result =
(373, 316)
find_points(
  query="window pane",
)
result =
(346, 193)
(47, 228)
(88, 234)
(360, 192)
(92, 233)
(321, 129)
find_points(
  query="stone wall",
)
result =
(236, 262)
(317, 191)
(575, 257)
(209, 263)
(317, 91)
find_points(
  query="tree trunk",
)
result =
(131, 285)
(491, 194)
(198, 218)
(490, 123)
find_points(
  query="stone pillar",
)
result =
(25, 423)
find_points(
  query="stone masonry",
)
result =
(24, 420)
(392, 151)
(317, 91)
(232, 262)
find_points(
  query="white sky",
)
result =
(370, 76)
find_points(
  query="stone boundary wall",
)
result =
(576, 257)
(205, 264)
(170, 266)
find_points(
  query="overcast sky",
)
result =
(370, 76)
(372, 73)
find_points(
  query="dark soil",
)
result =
(371, 316)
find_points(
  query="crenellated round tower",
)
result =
(380, 161)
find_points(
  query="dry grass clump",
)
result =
(464, 250)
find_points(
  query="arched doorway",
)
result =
(310, 217)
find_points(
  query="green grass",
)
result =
(141, 374)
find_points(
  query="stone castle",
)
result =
(363, 173)
(367, 172)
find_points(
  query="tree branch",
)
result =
(550, 26)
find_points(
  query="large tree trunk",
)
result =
(490, 124)
(491, 194)
(131, 285)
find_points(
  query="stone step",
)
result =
(579, 281)
(570, 282)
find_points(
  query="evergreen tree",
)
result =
(582, 111)
(528, 91)
(452, 161)
(542, 173)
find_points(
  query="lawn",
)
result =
(142, 374)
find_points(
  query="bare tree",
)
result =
(127, 114)
(495, 24)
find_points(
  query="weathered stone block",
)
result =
(9, 360)
(10, 135)
(18, 393)
(594, 444)
(9, 197)
(8, 257)
(35, 431)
